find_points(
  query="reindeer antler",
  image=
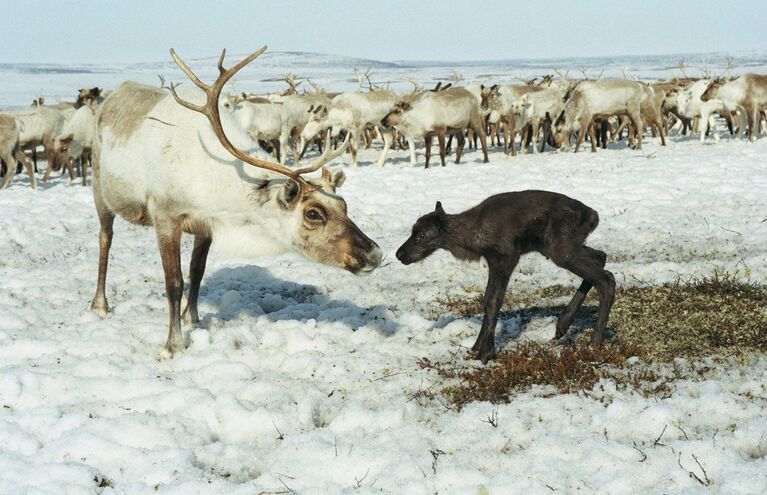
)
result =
(210, 110)
(727, 67)
(680, 65)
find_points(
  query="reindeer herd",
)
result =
(546, 110)
(214, 167)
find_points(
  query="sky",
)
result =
(78, 31)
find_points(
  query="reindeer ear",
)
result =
(438, 208)
(288, 195)
(67, 139)
(333, 179)
(311, 108)
(481, 86)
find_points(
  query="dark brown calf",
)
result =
(504, 227)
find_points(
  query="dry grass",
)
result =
(716, 316)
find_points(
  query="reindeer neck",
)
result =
(461, 236)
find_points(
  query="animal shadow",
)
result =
(252, 291)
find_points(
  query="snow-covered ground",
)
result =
(301, 378)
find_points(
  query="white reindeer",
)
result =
(436, 113)
(178, 165)
(352, 112)
(747, 94)
(40, 126)
(598, 99)
(75, 142)
(262, 121)
(296, 112)
(11, 152)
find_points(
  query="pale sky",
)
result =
(79, 31)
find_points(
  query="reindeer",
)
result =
(11, 151)
(592, 99)
(506, 226)
(175, 162)
(436, 113)
(296, 113)
(259, 118)
(747, 93)
(499, 101)
(352, 112)
(76, 140)
(40, 126)
(534, 110)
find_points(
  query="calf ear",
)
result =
(438, 208)
(288, 195)
(333, 179)
(66, 139)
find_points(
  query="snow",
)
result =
(301, 377)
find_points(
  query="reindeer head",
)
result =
(88, 96)
(712, 89)
(322, 230)
(318, 122)
(314, 216)
(394, 116)
(427, 235)
(489, 97)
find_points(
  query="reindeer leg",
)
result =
(497, 283)
(196, 271)
(411, 147)
(106, 219)
(441, 141)
(70, 169)
(387, 136)
(427, 144)
(449, 144)
(10, 168)
(459, 149)
(169, 241)
(593, 137)
(581, 134)
(22, 158)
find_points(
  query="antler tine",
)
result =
(326, 157)
(210, 110)
(186, 70)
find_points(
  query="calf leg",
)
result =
(567, 316)
(196, 271)
(427, 144)
(497, 282)
(587, 266)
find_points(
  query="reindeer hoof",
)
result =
(100, 306)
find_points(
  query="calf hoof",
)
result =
(172, 347)
(485, 355)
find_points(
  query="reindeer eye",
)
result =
(313, 215)
(64, 148)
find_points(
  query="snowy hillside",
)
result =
(304, 379)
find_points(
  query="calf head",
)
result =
(428, 235)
